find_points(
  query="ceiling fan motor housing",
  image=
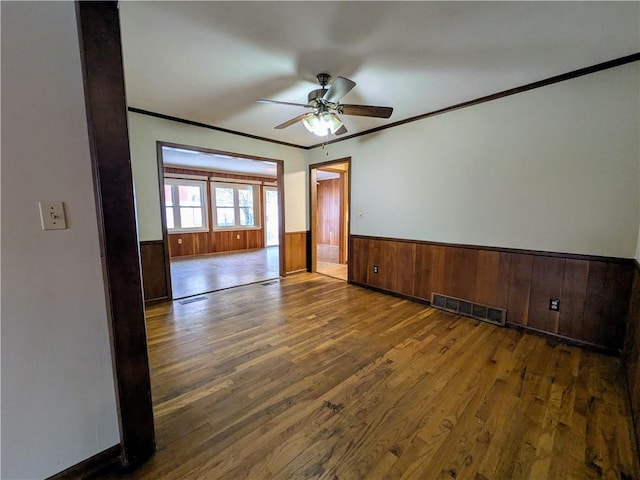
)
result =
(314, 97)
(323, 79)
(325, 103)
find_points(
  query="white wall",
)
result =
(144, 131)
(552, 169)
(58, 400)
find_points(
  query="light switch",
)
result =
(52, 216)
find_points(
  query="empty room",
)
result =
(471, 169)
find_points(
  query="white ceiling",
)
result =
(186, 158)
(209, 62)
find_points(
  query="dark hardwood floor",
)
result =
(309, 377)
(207, 273)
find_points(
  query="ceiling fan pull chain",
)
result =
(324, 145)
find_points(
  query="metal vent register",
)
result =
(497, 316)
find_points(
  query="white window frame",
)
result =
(235, 186)
(176, 207)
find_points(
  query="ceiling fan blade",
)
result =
(291, 122)
(338, 89)
(367, 111)
(342, 130)
(263, 100)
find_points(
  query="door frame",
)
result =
(104, 89)
(345, 208)
(279, 186)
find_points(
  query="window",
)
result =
(235, 206)
(185, 205)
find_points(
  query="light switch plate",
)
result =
(52, 215)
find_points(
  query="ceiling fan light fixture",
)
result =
(321, 124)
(325, 105)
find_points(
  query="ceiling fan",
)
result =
(325, 103)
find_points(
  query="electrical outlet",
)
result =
(179, 241)
(375, 269)
(238, 237)
(554, 304)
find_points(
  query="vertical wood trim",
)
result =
(346, 217)
(263, 219)
(313, 218)
(341, 227)
(282, 248)
(101, 56)
(163, 221)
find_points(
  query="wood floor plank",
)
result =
(309, 377)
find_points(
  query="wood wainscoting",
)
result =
(296, 251)
(205, 243)
(156, 275)
(594, 292)
(329, 211)
(631, 353)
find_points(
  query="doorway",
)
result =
(330, 197)
(221, 218)
(271, 224)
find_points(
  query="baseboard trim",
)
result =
(293, 272)
(393, 294)
(594, 347)
(516, 326)
(155, 301)
(90, 466)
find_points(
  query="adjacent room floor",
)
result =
(208, 273)
(327, 262)
(310, 377)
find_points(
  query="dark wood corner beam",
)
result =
(103, 75)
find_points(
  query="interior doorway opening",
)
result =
(330, 196)
(222, 218)
(271, 223)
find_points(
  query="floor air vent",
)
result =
(497, 316)
(191, 300)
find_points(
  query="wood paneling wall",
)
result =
(329, 193)
(296, 251)
(594, 292)
(214, 242)
(156, 278)
(217, 241)
(631, 354)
